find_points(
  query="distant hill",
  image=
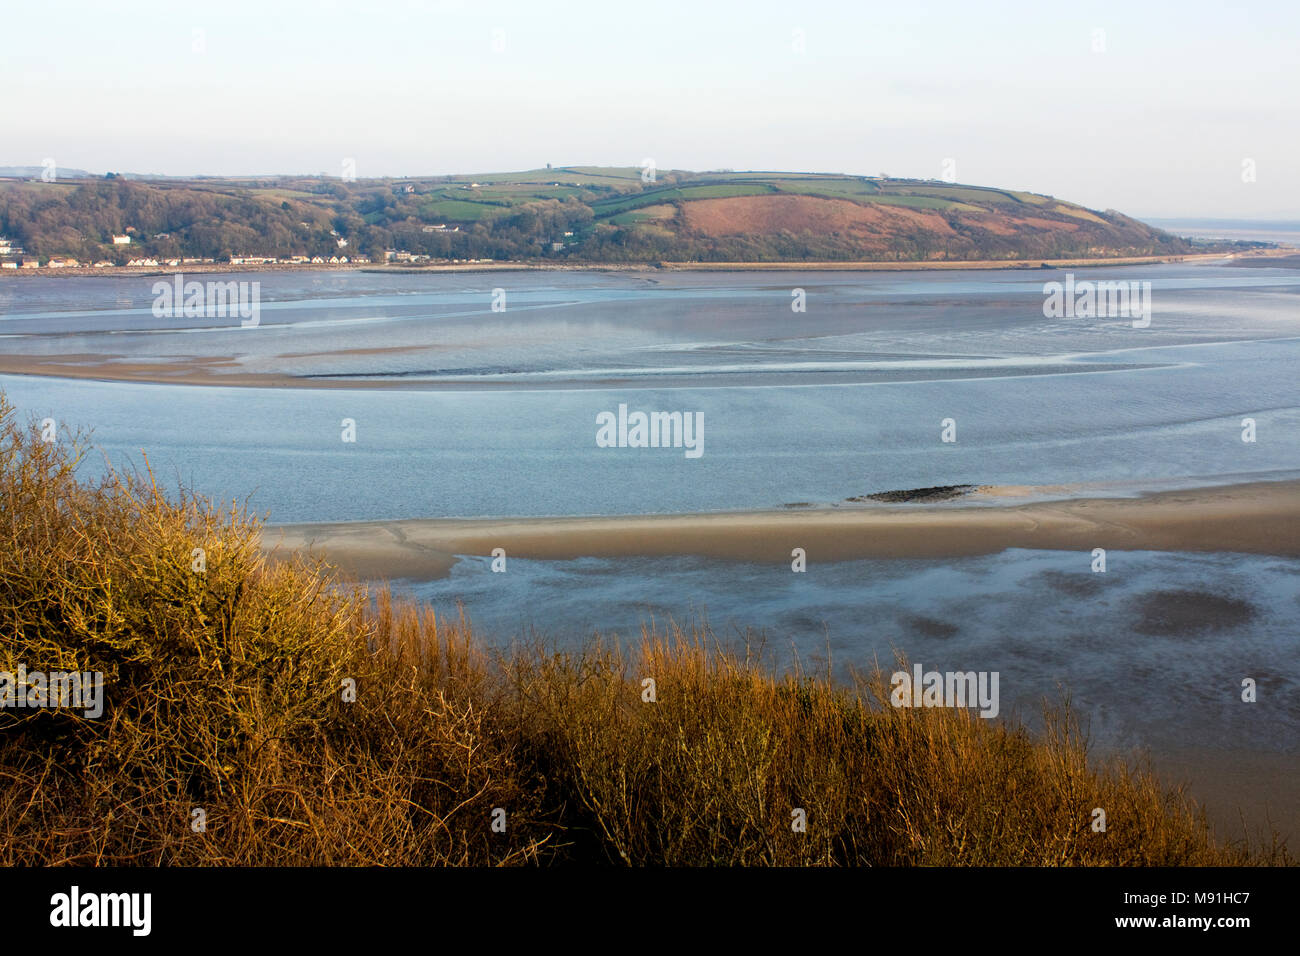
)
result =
(58, 172)
(35, 172)
(579, 213)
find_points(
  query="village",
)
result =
(14, 257)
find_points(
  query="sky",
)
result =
(1161, 109)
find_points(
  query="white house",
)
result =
(121, 240)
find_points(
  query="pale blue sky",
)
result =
(1158, 124)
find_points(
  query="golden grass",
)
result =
(225, 694)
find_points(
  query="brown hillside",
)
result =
(749, 215)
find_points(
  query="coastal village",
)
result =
(14, 257)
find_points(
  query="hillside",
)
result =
(591, 214)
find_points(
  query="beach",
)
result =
(1253, 518)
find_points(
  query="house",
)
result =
(143, 262)
(61, 263)
(8, 265)
(103, 264)
(121, 240)
(30, 264)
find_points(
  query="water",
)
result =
(1281, 231)
(470, 413)
(1137, 670)
(497, 411)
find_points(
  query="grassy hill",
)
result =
(578, 213)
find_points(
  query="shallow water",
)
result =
(1152, 651)
(843, 400)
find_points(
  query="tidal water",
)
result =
(497, 413)
(463, 411)
(1152, 652)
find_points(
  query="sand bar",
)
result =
(1255, 518)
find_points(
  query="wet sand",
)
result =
(1243, 794)
(204, 371)
(1257, 518)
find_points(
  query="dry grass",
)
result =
(225, 693)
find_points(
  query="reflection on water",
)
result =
(1152, 651)
(842, 400)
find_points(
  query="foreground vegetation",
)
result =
(579, 214)
(227, 693)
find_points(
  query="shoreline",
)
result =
(1240, 792)
(227, 370)
(867, 265)
(1253, 518)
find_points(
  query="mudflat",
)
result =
(1255, 518)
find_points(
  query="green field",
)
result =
(460, 211)
(955, 193)
(924, 202)
(567, 175)
(856, 189)
(518, 192)
(611, 207)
